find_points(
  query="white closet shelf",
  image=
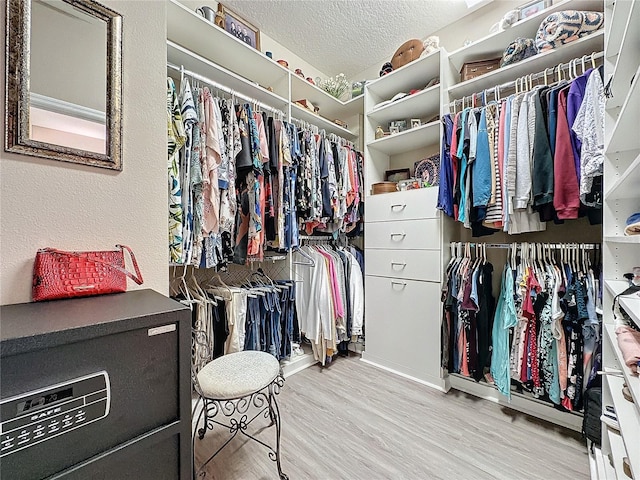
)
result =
(195, 63)
(627, 59)
(419, 105)
(305, 115)
(330, 106)
(626, 186)
(537, 63)
(633, 239)
(415, 74)
(619, 9)
(616, 286)
(629, 420)
(633, 381)
(408, 140)
(601, 468)
(625, 132)
(493, 45)
(618, 452)
(631, 305)
(185, 27)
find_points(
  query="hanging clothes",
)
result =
(545, 328)
(329, 298)
(534, 157)
(242, 182)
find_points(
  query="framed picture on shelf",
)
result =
(238, 27)
(531, 8)
(415, 122)
(397, 175)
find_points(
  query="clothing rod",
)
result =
(219, 86)
(555, 246)
(536, 76)
(302, 123)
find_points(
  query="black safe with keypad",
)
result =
(96, 388)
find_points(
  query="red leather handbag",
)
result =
(59, 274)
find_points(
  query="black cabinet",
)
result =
(133, 349)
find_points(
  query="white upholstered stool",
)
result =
(232, 385)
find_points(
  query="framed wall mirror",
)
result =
(64, 81)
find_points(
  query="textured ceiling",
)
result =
(346, 36)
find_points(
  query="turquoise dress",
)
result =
(504, 319)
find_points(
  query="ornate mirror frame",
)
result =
(18, 30)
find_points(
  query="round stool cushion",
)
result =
(238, 374)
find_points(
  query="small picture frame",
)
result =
(238, 27)
(415, 122)
(532, 8)
(401, 125)
(393, 130)
(397, 175)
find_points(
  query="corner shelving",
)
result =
(330, 107)
(410, 139)
(412, 75)
(305, 115)
(418, 105)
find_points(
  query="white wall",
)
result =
(50, 203)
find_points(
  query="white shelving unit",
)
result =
(403, 235)
(621, 199)
(202, 47)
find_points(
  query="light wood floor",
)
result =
(354, 421)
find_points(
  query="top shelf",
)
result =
(330, 107)
(537, 63)
(191, 31)
(493, 46)
(414, 75)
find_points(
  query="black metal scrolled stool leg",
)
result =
(274, 413)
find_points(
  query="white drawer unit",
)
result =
(407, 264)
(403, 235)
(410, 205)
(402, 327)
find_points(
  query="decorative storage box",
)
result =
(475, 69)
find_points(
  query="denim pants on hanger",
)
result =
(252, 329)
(276, 328)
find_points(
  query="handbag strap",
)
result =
(136, 278)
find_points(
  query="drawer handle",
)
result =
(398, 263)
(402, 284)
(393, 235)
(401, 206)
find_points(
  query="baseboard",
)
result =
(405, 375)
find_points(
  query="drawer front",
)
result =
(407, 264)
(405, 235)
(410, 205)
(403, 325)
